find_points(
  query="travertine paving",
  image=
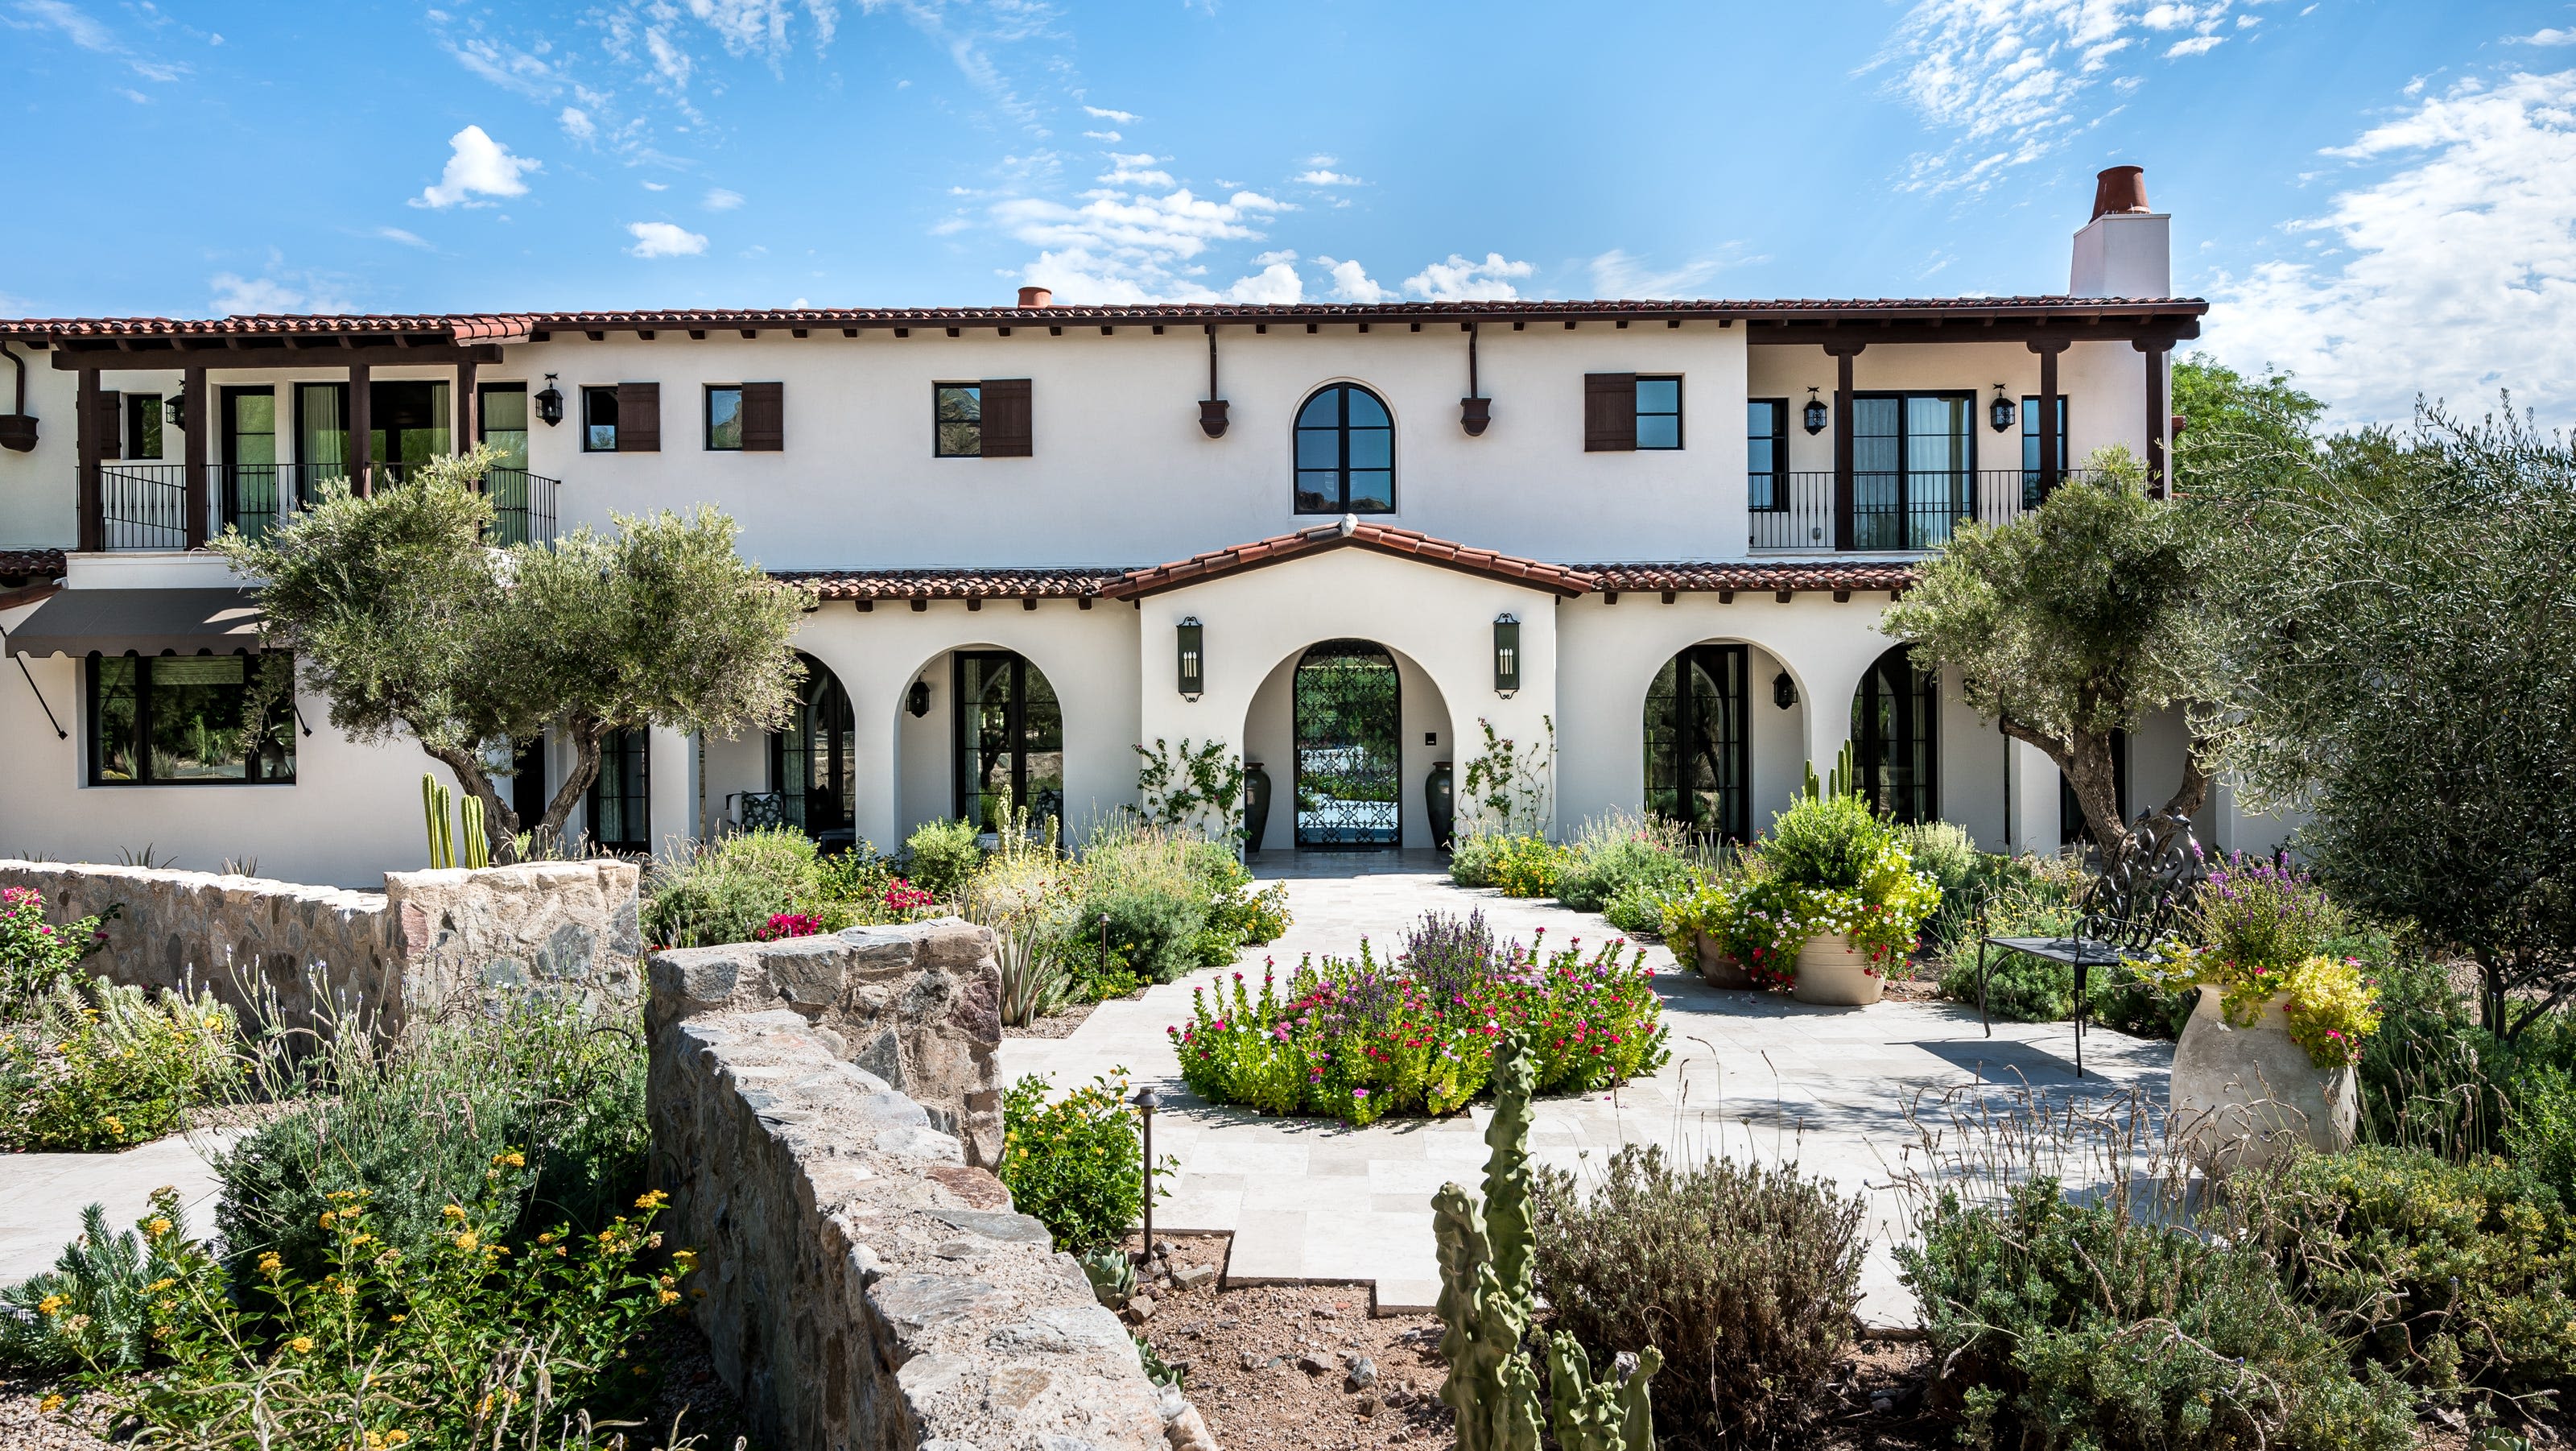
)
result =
(1752, 1075)
(42, 1195)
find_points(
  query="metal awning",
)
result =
(141, 622)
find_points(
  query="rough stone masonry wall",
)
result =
(865, 1289)
(428, 936)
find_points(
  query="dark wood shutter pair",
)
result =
(106, 424)
(764, 417)
(1005, 411)
(639, 418)
(1609, 412)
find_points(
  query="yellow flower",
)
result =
(398, 1317)
(301, 1344)
(50, 1404)
(514, 1159)
(270, 1265)
(667, 1296)
(375, 1439)
(156, 1227)
(653, 1199)
(397, 1436)
(454, 1211)
(468, 1240)
(546, 1238)
(157, 1286)
(52, 1304)
(114, 1124)
(327, 1218)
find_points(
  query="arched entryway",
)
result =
(1348, 710)
(1699, 741)
(1010, 740)
(1895, 737)
(813, 765)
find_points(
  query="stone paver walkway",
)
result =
(1753, 1075)
(42, 1195)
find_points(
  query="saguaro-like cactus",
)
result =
(478, 843)
(1487, 1295)
(1842, 780)
(433, 810)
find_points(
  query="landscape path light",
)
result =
(1146, 1101)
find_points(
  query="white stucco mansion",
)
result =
(1336, 537)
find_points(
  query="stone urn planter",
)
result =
(1256, 807)
(1835, 973)
(2242, 1095)
(1719, 968)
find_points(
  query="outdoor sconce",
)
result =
(1507, 656)
(1815, 413)
(1784, 691)
(917, 699)
(550, 403)
(2000, 412)
(1193, 636)
(176, 407)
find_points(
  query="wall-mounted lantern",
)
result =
(2000, 412)
(1475, 411)
(1507, 656)
(550, 403)
(175, 407)
(917, 699)
(1816, 418)
(1784, 691)
(1193, 638)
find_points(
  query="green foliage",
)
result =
(707, 893)
(1174, 902)
(1621, 853)
(1744, 1276)
(2085, 1326)
(2020, 988)
(1111, 1273)
(1076, 1165)
(1023, 892)
(1841, 780)
(1521, 865)
(1638, 908)
(1966, 876)
(94, 1307)
(1825, 841)
(33, 951)
(1196, 789)
(1504, 788)
(2232, 415)
(940, 855)
(98, 1066)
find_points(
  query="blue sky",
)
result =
(2380, 194)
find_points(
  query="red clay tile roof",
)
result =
(31, 563)
(1803, 576)
(952, 584)
(1349, 533)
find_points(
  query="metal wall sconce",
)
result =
(1815, 411)
(550, 403)
(1784, 691)
(1475, 411)
(176, 407)
(1193, 641)
(917, 699)
(2000, 412)
(1507, 656)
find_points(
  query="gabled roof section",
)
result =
(1350, 533)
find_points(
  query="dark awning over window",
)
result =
(141, 622)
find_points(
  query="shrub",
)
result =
(1825, 841)
(1620, 852)
(1473, 857)
(1075, 1165)
(2020, 988)
(1966, 876)
(1449, 956)
(940, 855)
(1638, 909)
(2054, 1324)
(1174, 902)
(1744, 1276)
(727, 890)
(94, 1307)
(2256, 912)
(2327, 1007)
(1526, 866)
(101, 1066)
(33, 951)
(2033, 898)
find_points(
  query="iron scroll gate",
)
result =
(1350, 748)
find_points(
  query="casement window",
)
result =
(503, 419)
(1345, 453)
(1895, 736)
(987, 419)
(621, 795)
(745, 417)
(2030, 439)
(191, 720)
(626, 418)
(143, 425)
(1624, 412)
(1766, 453)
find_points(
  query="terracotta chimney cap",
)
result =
(1044, 297)
(2120, 189)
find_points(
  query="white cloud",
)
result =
(1267, 258)
(1321, 177)
(2453, 277)
(477, 165)
(2197, 45)
(1135, 170)
(1275, 283)
(656, 185)
(275, 292)
(577, 124)
(663, 239)
(1351, 282)
(721, 199)
(1104, 137)
(1123, 118)
(84, 30)
(1459, 280)
(2545, 37)
(397, 234)
(1616, 274)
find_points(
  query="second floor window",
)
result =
(1659, 413)
(180, 720)
(2030, 439)
(599, 420)
(1766, 453)
(1345, 453)
(724, 416)
(1624, 412)
(503, 418)
(143, 425)
(957, 418)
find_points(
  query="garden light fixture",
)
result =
(917, 699)
(1146, 1101)
(1193, 658)
(1507, 656)
(550, 403)
(176, 405)
(2001, 410)
(1815, 412)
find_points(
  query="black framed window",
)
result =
(1766, 453)
(724, 416)
(502, 419)
(191, 720)
(1896, 739)
(1659, 412)
(621, 796)
(1010, 739)
(599, 420)
(813, 764)
(143, 425)
(2030, 438)
(1914, 460)
(1345, 453)
(1699, 741)
(957, 419)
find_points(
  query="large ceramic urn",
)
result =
(1835, 972)
(1720, 968)
(2242, 1095)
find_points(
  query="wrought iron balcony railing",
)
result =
(1891, 512)
(146, 505)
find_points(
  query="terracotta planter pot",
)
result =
(2240, 1096)
(1836, 974)
(1720, 969)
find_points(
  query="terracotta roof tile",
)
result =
(1075, 582)
(1802, 576)
(1350, 533)
(31, 563)
(952, 584)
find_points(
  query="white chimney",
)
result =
(2126, 250)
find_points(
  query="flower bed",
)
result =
(1360, 1039)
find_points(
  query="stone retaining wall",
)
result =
(864, 1287)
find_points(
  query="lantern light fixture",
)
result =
(917, 699)
(2000, 412)
(1816, 415)
(1507, 655)
(1784, 691)
(550, 403)
(176, 405)
(1193, 658)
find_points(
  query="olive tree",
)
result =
(2070, 623)
(409, 623)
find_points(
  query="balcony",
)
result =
(1891, 512)
(146, 505)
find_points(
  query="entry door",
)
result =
(1913, 468)
(1010, 740)
(1350, 748)
(251, 494)
(1699, 757)
(812, 764)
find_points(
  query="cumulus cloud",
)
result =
(477, 165)
(721, 199)
(2545, 37)
(664, 239)
(2455, 275)
(576, 123)
(1137, 169)
(1351, 282)
(1321, 177)
(1276, 283)
(1459, 280)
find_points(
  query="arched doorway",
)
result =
(1010, 740)
(1699, 753)
(813, 763)
(1349, 713)
(1895, 737)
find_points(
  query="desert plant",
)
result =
(1076, 1165)
(940, 855)
(33, 951)
(94, 1307)
(99, 1066)
(704, 893)
(1620, 853)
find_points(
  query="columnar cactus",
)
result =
(478, 843)
(1487, 1296)
(433, 810)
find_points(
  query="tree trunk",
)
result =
(2085, 760)
(585, 737)
(500, 823)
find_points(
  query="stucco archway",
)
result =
(1426, 736)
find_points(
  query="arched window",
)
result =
(1895, 741)
(1699, 760)
(812, 766)
(1345, 453)
(1010, 741)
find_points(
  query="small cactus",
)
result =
(433, 810)
(478, 844)
(1842, 780)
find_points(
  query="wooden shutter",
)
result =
(1006, 418)
(107, 424)
(639, 418)
(1609, 412)
(764, 417)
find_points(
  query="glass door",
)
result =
(321, 436)
(1347, 705)
(1010, 740)
(407, 424)
(1913, 468)
(248, 423)
(1699, 757)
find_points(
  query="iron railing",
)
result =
(145, 505)
(1891, 512)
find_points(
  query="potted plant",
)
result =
(1839, 905)
(1701, 924)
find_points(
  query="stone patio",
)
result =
(1752, 1075)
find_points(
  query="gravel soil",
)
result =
(1055, 1025)
(23, 1427)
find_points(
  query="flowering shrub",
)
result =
(1359, 1039)
(2257, 910)
(1523, 865)
(1830, 868)
(2330, 1008)
(1075, 1165)
(101, 1066)
(33, 951)
(902, 897)
(787, 924)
